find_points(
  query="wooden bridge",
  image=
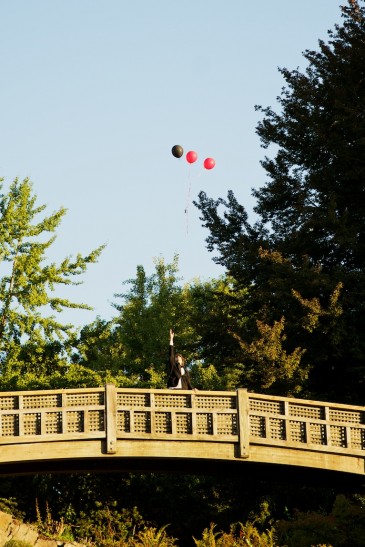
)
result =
(111, 428)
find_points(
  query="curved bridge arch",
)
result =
(104, 428)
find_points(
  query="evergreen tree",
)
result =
(304, 258)
(32, 342)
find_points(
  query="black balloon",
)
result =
(177, 151)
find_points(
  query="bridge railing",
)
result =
(239, 417)
(183, 415)
(303, 424)
(34, 416)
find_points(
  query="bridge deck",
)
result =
(128, 423)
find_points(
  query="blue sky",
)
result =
(93, 96)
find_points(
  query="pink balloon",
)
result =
(209, 163)
(191, 156)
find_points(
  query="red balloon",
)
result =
(191, 156)
(209, 163)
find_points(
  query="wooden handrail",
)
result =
(239, 417)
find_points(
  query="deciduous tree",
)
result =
(32, 340)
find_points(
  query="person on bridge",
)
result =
(179, 377)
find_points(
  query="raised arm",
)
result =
(172, 350)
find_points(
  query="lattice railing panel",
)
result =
(163, 423)
(172, 400)
(357, 438)
(204, 424)
(276, 428)
(215, 403)
(338, 436)
(171, 412)
(75, 421)
(227, 424)
(258, 426)
(306, 411)
(142, 422)
(183, 423)
(53, 423)
(133, 400)
(42, 401)
(123, 421)
(266, 406)
(317, 434)
(32, 423)
(8, 402)
(85, 399)
(9, 425)
(347, 416)
(96, 420)
(290, 423)
(296, 432)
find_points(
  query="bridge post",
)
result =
(111, 418)
(243, 408)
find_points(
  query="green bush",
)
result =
(246, 534)
(153, 537)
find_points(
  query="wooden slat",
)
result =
(243, 423)
(111, 418)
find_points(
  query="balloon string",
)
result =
(188, 194)
(188, 202)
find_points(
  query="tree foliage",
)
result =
(287, 317)
(32, 340)
(268, 365)
(343, 525)
(304, 258)
(133, 347)
(153, 305)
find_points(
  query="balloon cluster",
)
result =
(191, 156)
